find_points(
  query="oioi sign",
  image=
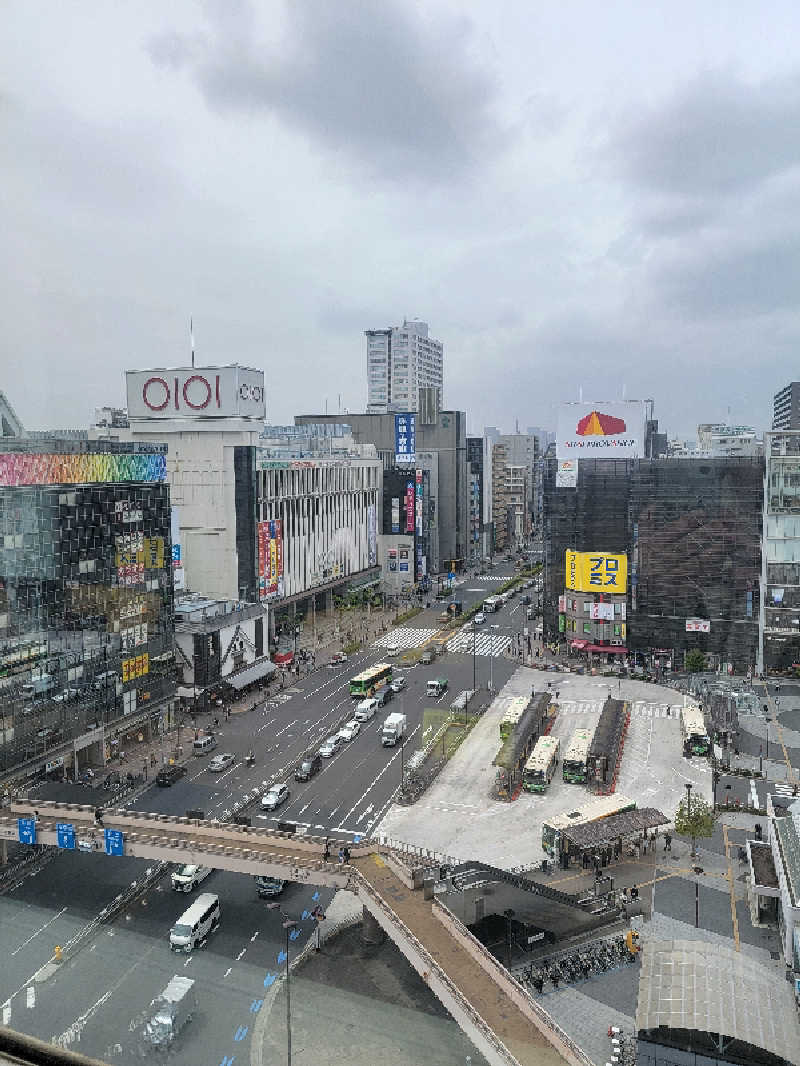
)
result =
(196, 392)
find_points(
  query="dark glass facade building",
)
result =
(86, 626)
(691, 529)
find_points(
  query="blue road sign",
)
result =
(115, 844)
(357, 838)
(451, 575)
(26, 830)
(66, 835)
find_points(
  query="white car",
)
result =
(331, 746)
(366, 710)
(276, 795)
(221, 762)
(350, 730)
(189, 877)
(479, 618)
(398, 684)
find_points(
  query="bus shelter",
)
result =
(604, 841)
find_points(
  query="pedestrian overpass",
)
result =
(497, 1014)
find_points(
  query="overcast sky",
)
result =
(571, 194)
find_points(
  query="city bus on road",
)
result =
(573, 767)
(541, 765)
(591, 811)
(492, 604)
(693, 731)
(367, 683)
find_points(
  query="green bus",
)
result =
(365, 684)
(573, 767)
(514, 712)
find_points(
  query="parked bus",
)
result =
(367, 683)
(693, 731)
(512, 716)
(492, 603)
(591, 811)
(541, 765)
(573, 767)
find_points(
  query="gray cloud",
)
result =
(366, 80)
(717, 136)
(736, 279)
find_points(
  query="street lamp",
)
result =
(491, 663)
(288, 925)
(474, 682)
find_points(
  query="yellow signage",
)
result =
(596, 572)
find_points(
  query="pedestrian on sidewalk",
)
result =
(346, 854)
(341, 856)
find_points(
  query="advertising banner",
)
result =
(270, 559)
(395, 514)
(410, 507)
(418, 506)
(405, 438)
(613, 430)
(372, 534)
(596, 572)
(567, 474)
(601, 612)
(562, 604)
(196, 392)
(698, 625)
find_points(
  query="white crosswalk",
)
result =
(405, 637)
(782, 788)
(485, 643)
(639, 709)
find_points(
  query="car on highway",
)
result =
(338, 658)
(479, 618)
(398, 684)
(331, 746)
(427, 657)
(307, 767)
(189, 877)
(530, 613)
(366, 710)
(350, 730)
(383, 695)
(268, 887)
(221, 762)
(274, 797)
(168, 775)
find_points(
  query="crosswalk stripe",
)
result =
(405, 637)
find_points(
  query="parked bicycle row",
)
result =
(547, 975)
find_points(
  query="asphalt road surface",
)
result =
(97, 1000)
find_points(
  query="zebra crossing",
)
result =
(639, 708)
(405, 637)
(782, 788)
(490, 644)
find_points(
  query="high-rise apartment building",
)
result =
(400, 362)
(786, 407)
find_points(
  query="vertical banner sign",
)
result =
(405, 438)
(26, 830)
(65, 833)
(409, 507)
(270, 559)
(395, 514)
(418, 507)
(262, 560)
(372, 534)
(279, 556)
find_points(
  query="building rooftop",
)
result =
(789, 844)
(690, 988)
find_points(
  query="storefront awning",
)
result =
(579, 645)
(610, 649)
(263, 668)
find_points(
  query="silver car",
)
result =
(221, 762)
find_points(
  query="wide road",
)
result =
(96, 1001)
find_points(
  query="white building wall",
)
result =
(400, 361)
(324, 507)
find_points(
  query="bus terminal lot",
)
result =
(457, 816)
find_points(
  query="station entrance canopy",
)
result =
(265, 668)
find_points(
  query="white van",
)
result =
(203, 745)
(366, 710)
(392, 648)
(195, 924)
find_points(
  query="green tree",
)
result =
(696, 821)
(695, 661)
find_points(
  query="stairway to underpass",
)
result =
(502, 1020)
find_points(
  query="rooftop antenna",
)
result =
(580, 393)
(191, 336)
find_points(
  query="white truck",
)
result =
(394, 728)
(171, 1010)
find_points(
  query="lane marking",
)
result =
(39, 930)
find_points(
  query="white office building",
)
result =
(400, 362)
